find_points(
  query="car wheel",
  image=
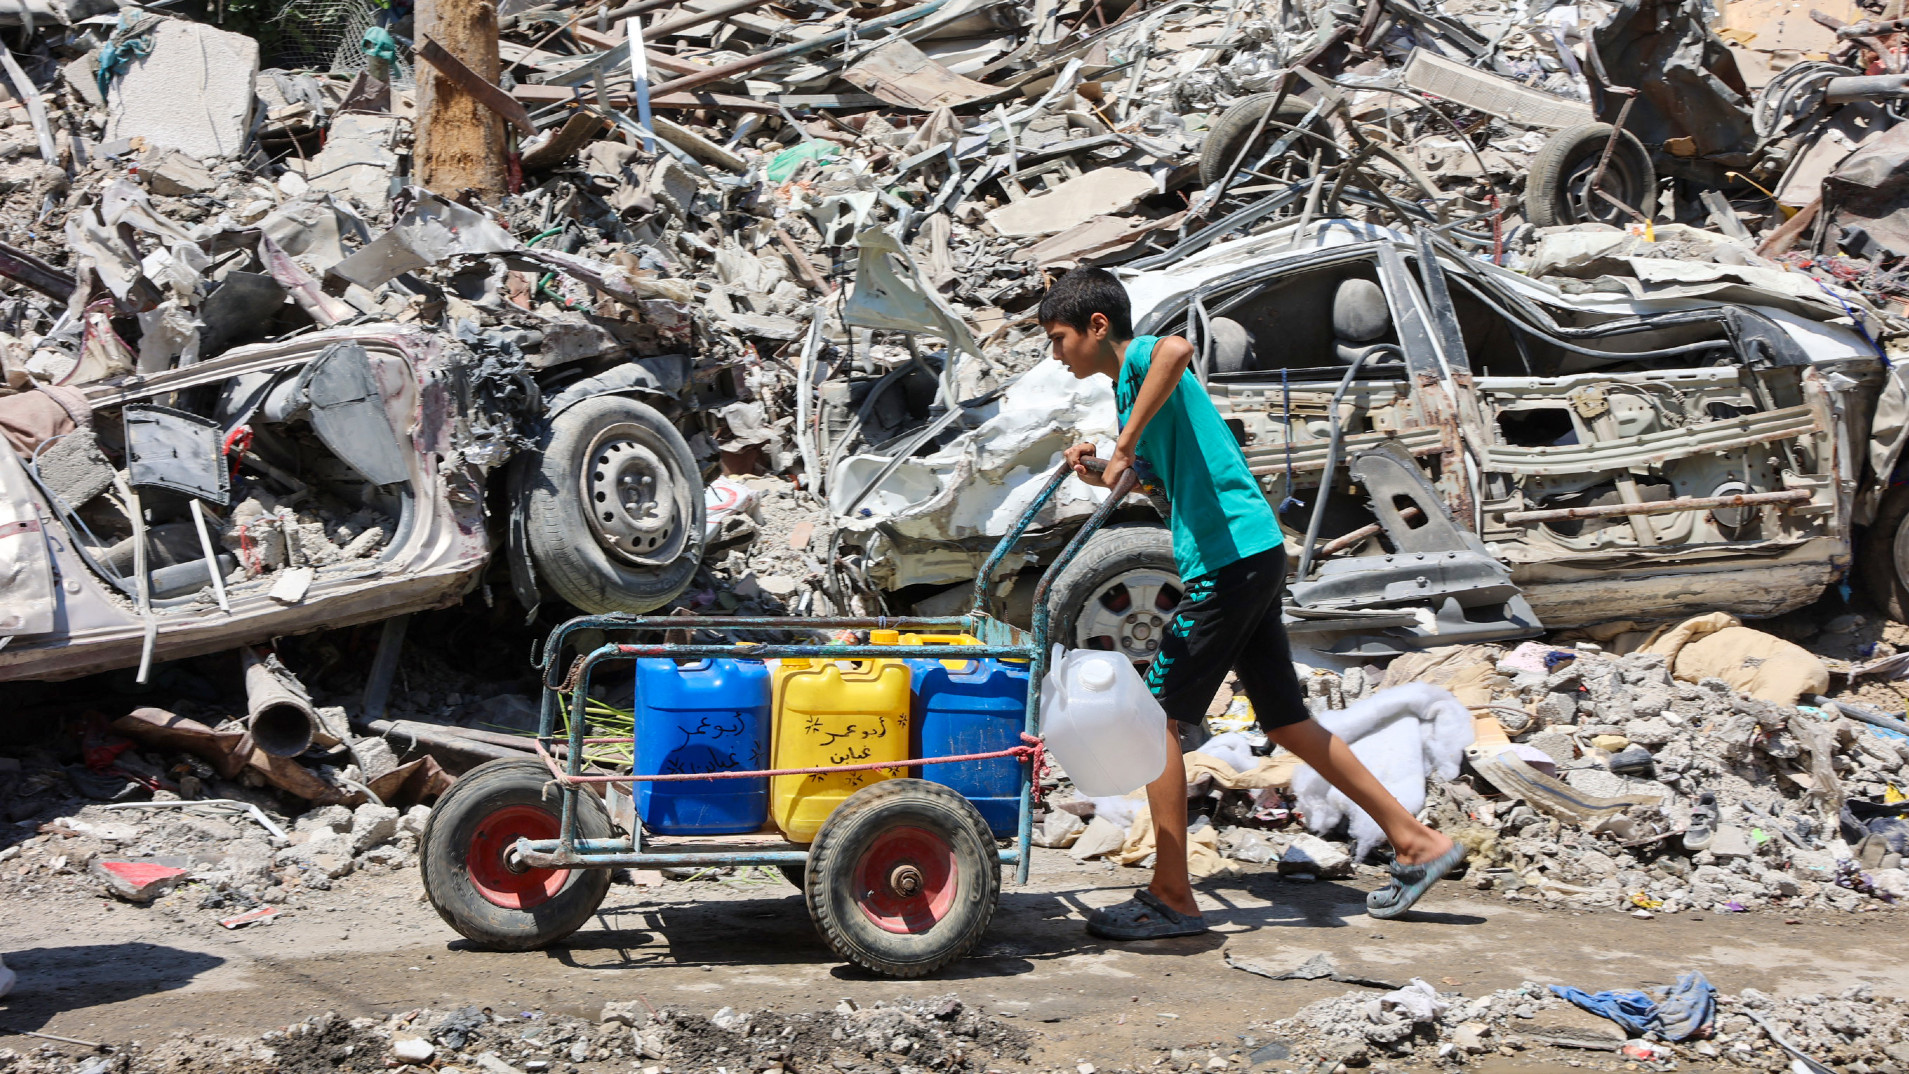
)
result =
(1119, 592)
(1558, 190)
(1229, 133)
(1884, 555)
(615, 513)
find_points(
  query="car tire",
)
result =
(1556, 190)
(1883, 557)
(903, 877)
(1136, 558)
(596, 545)
(474, 890)
(1229, 133)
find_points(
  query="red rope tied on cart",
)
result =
(1031, 750)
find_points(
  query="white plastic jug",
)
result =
(1101, 723)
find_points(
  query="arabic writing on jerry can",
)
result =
(706, 716)
(829, 713)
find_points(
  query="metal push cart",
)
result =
(903, 875)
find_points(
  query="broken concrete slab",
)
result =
(192, 92)
(1313, 856)
(1076, 201)
(175, 174)
(357, 161)
(137, 881)
(902, 74)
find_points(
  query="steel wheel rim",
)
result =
(1129, 613)
(488, 863)
(906, 880)
(632, 497)
(1618, 179)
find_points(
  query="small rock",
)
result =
(334, 818)
(489, 1063)
(1610, 743)
(137, 881)
(1653, 732)
(1470, 1038)
(414, 820)
(1311, 854)
(780, 586)
(627, 1012)
(1555, 745)
(372, 825)
(1731, 843)
(413, 1049)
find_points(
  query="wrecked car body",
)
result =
(1493, 454)
(338, 477)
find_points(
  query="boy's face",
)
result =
(1077, 350)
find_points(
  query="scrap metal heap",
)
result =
(841, 216)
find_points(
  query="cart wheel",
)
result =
(467, 878)
(903, 877)
(796, 874)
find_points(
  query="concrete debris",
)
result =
(940, 1033)
(1854, 1026)
(1661, 794)
(188, 87)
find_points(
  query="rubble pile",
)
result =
(1597, 782)
(212, 855)
(935, 1034)
(1854, 1029)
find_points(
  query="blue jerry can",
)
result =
(707, 716)
(974, 706)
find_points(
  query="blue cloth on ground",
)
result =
(1678, 1012)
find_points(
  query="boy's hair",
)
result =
(1084, 292)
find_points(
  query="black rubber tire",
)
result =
(1111, 552)
(445, 845)
(835, 897)
(795, 874)
(1883, 556)
(1235, 125)
(1566, 159)
(570, 558)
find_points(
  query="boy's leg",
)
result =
(1201, 643)
(1203, 640)
(1271, 684)
(1412, 842)
(1166, 800)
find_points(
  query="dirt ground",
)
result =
(99, 970)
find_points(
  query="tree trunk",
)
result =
(460, 142)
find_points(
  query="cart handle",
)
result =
(985, 581)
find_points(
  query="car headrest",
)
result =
(1359, 312)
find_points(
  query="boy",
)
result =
(1231, 554)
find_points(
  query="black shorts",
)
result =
(1230, 620)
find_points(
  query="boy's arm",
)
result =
(1171, 356)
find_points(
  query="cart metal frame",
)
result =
(564, 754)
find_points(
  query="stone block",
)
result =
(192, 92)
(1311, 854)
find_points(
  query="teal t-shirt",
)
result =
(1219, 514)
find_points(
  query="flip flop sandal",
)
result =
(1143, 917)
(1409, 883)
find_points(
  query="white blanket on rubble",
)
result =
(1402, 735)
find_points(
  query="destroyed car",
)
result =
(337, 477)
(1499, 454)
